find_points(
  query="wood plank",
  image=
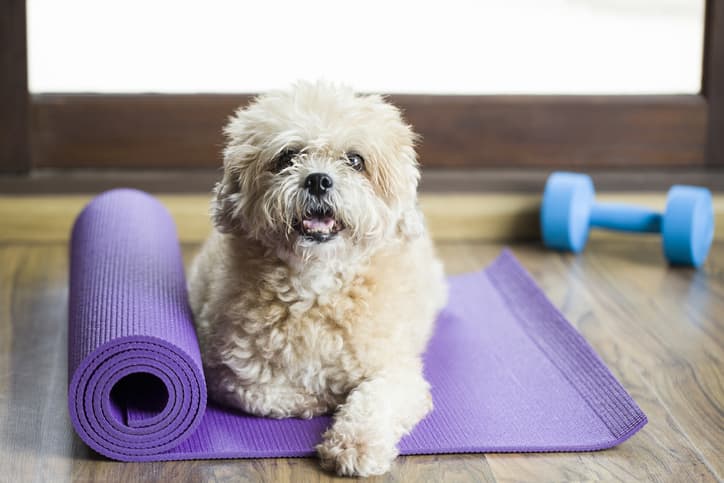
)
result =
(683, 333)
(713, 81)
(558, 131)
(450, 217)
(35, 428)
(172, 131)
(14, 98)
(10, 259)
(448, 468)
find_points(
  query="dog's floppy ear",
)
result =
(225, 203)
(227, 192)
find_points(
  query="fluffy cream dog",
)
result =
(318, 289)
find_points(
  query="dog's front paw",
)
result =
(349, 454)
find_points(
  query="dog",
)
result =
(318, 288)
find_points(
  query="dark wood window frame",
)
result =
(159, 131)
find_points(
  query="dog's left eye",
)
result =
(285, 159)
(356, 161)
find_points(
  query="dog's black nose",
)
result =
(318, 184)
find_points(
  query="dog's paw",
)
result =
(352, 455)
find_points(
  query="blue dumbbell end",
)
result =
(688, 225)
(566, 210)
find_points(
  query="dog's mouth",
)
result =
(319, 225)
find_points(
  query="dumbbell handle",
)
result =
(618, 216)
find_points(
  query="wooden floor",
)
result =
(660, 330)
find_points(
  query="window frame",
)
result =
(62, 131)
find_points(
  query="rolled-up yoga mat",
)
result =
(508, 372)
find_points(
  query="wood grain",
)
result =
(450, 217)
(618, 299)
(713, 81)
(658, 329)
(184, 131)
(14, 98)
(558, 131)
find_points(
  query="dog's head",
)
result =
(318, 167)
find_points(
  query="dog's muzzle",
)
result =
(319, 224)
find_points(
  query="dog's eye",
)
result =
(356, 161)
(284, 160)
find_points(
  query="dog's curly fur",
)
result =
(293, 326)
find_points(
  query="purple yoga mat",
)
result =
(508, 372)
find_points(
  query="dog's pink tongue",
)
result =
(318, 224)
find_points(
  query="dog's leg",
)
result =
(273, 399)
(367, 427)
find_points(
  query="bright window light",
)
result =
(445, 47)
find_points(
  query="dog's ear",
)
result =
(225, 204)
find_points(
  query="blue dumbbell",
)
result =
(569, 210)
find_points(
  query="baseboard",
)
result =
(440, 181)
(492, 217)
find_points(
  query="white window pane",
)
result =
(452, 46)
